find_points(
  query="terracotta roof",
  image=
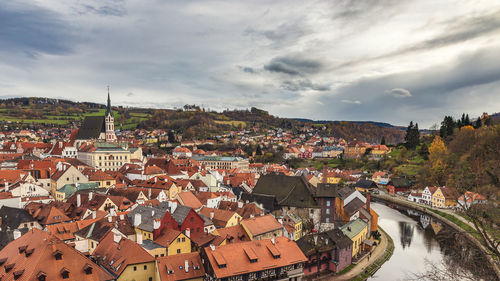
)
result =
(234, 259)
(187, 198)
(37, 252)
(180, 267)
(167, 237)
(46, 214)
(234, 234)
(261, 225)
(220, 218)
(115, 257)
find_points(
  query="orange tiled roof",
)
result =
(261, 225)
(115, 257)
(234, 259)
(173, 264)
(188, 199)
(36, 253)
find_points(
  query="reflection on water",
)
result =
(420, 239)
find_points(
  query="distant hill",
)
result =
(380, 124)
(198, 124)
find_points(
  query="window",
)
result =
(178, 251)
(150, 278)
(328, 203)
(67, 179)
(327, 211)
(135, 268)
(178, 240)
(77, 178)
(192, 219)
(145, 267)
(183, 239)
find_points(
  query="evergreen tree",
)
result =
(447, 127)
(478, 123)
(382, 142)
(467, 120)
(412, 137)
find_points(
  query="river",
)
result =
(421, 242)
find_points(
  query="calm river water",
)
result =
(420, 241)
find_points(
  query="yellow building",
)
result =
(263, 227)
(174, 241)
(125, 259)
(154, 249)
(444, 197)
(357, 231)
(104, 156)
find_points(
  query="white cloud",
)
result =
(399, 93)
(351, 101)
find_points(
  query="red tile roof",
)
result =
(261, 225)
(180, 267)
(115, 257)
(36, 253)
(234, 259)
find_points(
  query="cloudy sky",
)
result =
(391, 61)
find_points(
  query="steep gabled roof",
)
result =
(91, 128)
(173, 268)
(292, 191)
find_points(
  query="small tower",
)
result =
(110, 122)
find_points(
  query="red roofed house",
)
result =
(277, 258)
(38, 255)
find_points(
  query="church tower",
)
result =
(110, 122)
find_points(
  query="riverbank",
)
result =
(451, 222)
(369, 265)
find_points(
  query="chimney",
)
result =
(156, 224)
(188, 233)
(110, 219)
(273, 241)
(122, 217)
(212, 247)
(149, 193)
(325, 172)
(212, 215)
(139, 238)
(17, 234)
(91, 194)
(117, 237)
(186, 266)
(368, 201)
(78, 200)
(240, 204)
(173, 207)
(137, 219)
(94, 214)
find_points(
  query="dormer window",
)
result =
(29, 252)
(17, 274)
(88, 269)
(58, 255)
(9, 267)
(2, 261)
(41, 276)
(65, 273)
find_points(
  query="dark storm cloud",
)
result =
(33, 30)
(293, 66)
(303, 85)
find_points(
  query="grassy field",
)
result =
(232, 123)
(53, 118)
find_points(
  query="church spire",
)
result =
(108, 108)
